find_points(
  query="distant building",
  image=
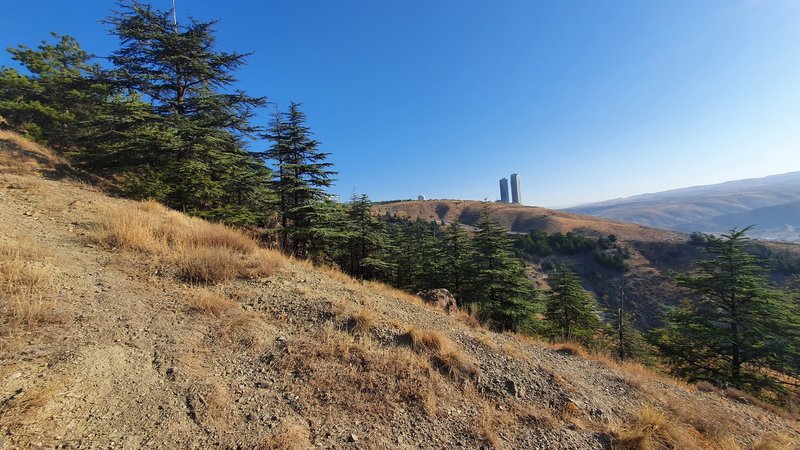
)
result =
(516, 194)
(420, 197)
(504, 190)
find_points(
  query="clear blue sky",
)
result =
(587, 100)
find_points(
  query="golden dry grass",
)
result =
(571, 348)
(775, 442)
(20, 155)
(205, 301)
(467, 316)
(28, 407)
(28, 288)
(443, 352)
(651, 429)
(290, 436)
(209, 265)
(489, 421)
(332, 369)
(363, 321)
(200, 251)
(245, 329)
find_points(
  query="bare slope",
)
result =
(520, 218)
(105, 343)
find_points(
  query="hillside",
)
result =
(128, 325)
(653, 252)
(770, 202)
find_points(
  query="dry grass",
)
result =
(330, 369)
(744, 397)
(652, 430)
(205, 301)
(489, 421)
(290, 436)
(363, 321)
(443, 352)
(209, 265)
(571, 348)
(200, 251)
(27, 408)
(22, 156)
(775, 442)
(467, 316)
(210, 402)
(28, 288)
(245, 329)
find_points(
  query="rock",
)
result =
(251, 417)
(352, 438)
(514, 389)
(441, 298)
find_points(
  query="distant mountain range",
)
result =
(771, 203)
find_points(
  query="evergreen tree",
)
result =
(736, 329)
(570, 311)
(364, 240)
(301, 176)
(500, 285)
(458, 255)
(55, 96)
(628, 342)
(190, 143)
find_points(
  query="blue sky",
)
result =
(586, 100)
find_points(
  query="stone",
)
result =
(513, 388)
(441, 298)
(352, 438)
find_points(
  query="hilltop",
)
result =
(772, 203)
(127, 324)
(654, 253)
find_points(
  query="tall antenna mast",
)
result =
(174, 16)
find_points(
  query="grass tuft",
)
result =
(443, 352)
(652, 430)
(291, 436)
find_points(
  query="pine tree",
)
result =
(570, 311)
(300, 178)
(190, 144)
(457, 256)
(49, 102)
(736, 328)
(628, 343)
(500, 285)
(364, 241)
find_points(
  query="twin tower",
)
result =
(516, 195)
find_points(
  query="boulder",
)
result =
(441, 298)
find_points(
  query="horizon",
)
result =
(649, 98)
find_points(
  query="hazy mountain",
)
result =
(771, 203)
